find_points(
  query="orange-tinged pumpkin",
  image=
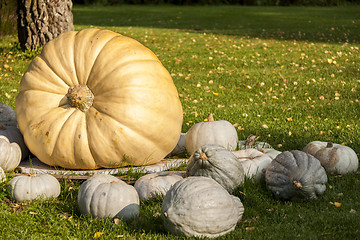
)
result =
(97, 99)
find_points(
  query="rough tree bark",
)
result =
(39, 21)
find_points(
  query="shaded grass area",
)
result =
(288, 75)
(315, 24)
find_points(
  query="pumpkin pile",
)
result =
(86, 103)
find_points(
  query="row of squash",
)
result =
(199, 202)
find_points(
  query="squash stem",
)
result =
(329, 145)
(203, 156)
(80, 97)
(297, 184)
(210, 118)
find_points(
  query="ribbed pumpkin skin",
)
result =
(199, 206)
(219, 132)
(254, 162)
(105, 196)
(295, 176)
(335, 158)
(8, 128)
(135, 103)
(153, 184)
(10, 156)
(25, 188)
(220, 164)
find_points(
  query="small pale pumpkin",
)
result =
(150, 185)
(32, 187)
(219, 132)
(261, 146)
(254, 162)
(105, 196)
(218, 163)
(200, 207)
(97, 99)
(10, 154)
(8, 128)
(295, 176)
(335, 158)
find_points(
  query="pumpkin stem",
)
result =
(330, 145)
(297, 184)
(80, 97)
(203, 156)
(30, 174)
(210, 118)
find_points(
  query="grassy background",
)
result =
(289, 75)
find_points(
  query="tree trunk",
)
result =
(39, 21)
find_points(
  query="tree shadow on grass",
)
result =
(335, 25)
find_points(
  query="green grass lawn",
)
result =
(289, 75)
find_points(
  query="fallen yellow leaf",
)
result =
(336, 204)
(98, 234)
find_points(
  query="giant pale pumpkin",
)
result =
(95, 98)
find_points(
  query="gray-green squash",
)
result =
(105, 196)
(150, 185)
(32, 187)
(296, 176)
(218, 163)
(200, 207)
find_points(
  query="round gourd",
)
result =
(218, 163)
(180, 149)
(105, 196)
(95, 98)
(7, 115)
(14, 135)
(8, 128)
(219, 132)
(272, 153)
(150, 185)
(254, 162)
(31, 187)
(200, 207)
(335, 158)
(295, 176)
(10, 154)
